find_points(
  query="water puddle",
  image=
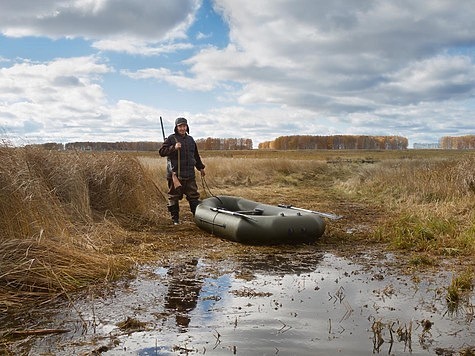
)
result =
(302, 302)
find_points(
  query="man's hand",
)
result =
(177, 146)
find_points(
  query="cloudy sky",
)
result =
(106, 70)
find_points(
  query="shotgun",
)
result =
(176, 181)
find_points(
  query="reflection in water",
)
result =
(294, 301)
(183, 292)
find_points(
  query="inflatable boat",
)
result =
(250, 222)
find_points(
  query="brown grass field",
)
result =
(72, 220)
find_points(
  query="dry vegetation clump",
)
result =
(92, 186)
(119, 186)
(459, 286)
(433, 198)
(27, 208)
(65, 178)
(43, 268)
(64, 218)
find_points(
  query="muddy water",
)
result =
(299, 302)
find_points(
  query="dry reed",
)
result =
(422, 180)
(67, 218)
(433, 200)
(64, 218)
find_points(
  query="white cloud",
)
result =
(138, 47)
(152, 21)
(370, 67)
(177, 79)
(63, 101)
(52, 96)
(435, 79)
(46, 82)
(394, 65)
(332, 50)
(202, 36)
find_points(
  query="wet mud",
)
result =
(282, 300)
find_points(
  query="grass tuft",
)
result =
(459, 285)
(426, 233)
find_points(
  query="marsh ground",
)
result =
(354, 291)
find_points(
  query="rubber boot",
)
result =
(193, 205)
(175, 213)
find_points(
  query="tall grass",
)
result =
(224, 171)
(66, 218)
(268, 179)
(422, 180)
(434, 201)
(255, 171)
(53, 209)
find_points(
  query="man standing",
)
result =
(182, 159)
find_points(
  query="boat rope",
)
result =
(207, 190)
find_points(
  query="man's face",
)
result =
(182, 129)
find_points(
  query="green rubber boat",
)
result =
(246, 221)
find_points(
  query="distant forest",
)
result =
(297, 142)
(203, 144)
(336, 142)
(457, 143)
(224, 143)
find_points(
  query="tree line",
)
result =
(295, 142)
(336, 142)
(203, 144)
(457, 143)
(224, 143)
